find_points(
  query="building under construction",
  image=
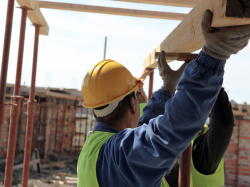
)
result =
(50, 123)
(59, 127)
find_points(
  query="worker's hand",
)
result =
(170, 77)
(220, 43)
(145, 73)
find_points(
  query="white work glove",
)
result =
(220, 43)
(170, 77)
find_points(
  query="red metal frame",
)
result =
(185, 168)
(51, 125)
(86, 126)
(73, 129)
(5, 59)
(45, 126)
(31, 112)
(37, 125)
(150, 89)
(19, 127)
(58, 106)
(62, 130)
(16, 99)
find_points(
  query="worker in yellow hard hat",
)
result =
(126, 151)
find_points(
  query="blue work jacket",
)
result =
(139, 157)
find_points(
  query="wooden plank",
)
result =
(35, 15)
(62, 96)
(56, 164)
(19, 166)
(247, 108)
(187, 36)
(109, 10)
(181, 3)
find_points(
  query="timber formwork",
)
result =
(59, 129)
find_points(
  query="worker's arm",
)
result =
(141, 156)
(209, 148)
(170, 79)
(155, 106)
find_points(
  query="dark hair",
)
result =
(120, 111)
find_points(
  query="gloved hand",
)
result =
(220, 43)
(170, 78)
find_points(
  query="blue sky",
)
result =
(76, 42)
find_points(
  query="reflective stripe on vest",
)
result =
(86, 166)
(213, 180)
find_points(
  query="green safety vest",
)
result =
(142, 105)
(213, 180)
(86, 166)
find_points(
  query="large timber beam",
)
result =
(187, 36)
(109, 10)
(35, 15)
(181, 3)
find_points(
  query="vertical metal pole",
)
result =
(80, 131)
(150, 90)
(86, 125)
(19, 126)
(45, 125)
(37, 125)
(105, 47)
(31, 112)
(58, 106)
(62, 130)
(5, 59)
(73, 129)
(51, 124)
(185, 168)
(238, 154)
(15, 109)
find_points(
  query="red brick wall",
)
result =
(243, 178)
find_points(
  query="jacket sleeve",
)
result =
(155, 106)
(209, 148)
(141, 156)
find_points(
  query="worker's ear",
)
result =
(132, 106)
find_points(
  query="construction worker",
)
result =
(208, 148)
(118, 153)
(141, 96)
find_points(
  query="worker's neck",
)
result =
(122, 124)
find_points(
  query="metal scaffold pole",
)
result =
(31, 112)
(16, 99)
(5, 59)
(150, 89)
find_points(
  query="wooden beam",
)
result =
(62, 96)
(55, 164)
(35, 15)
(181, 3)
(187, 36)
(109, 10)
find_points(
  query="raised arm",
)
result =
(210, 147)
(156, 105)
(141, 156)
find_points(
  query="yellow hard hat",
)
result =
(106, 82)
